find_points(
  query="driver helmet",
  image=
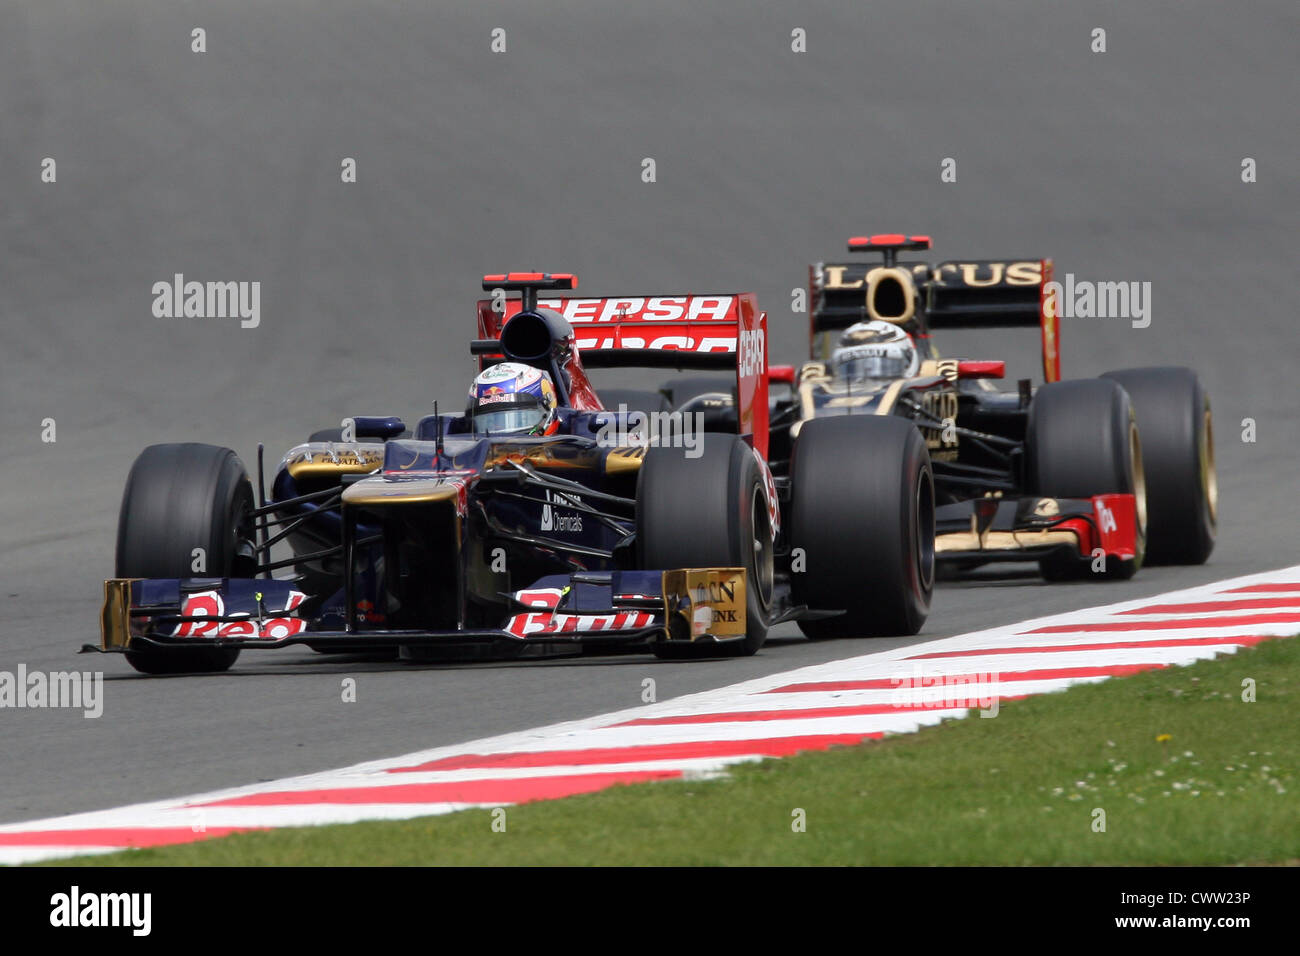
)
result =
(874, 351)
(510, 398)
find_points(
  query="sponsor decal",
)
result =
(669, 308)
(553, 519)
(366, 612)
(1106, 519)
(941, 440)
(869, 335)
(310, 460)
(834, 278)
(711, 592)
(712, 601)
(672, 315)
(973, 274)
(212, 604)
(1028, 272)
(752, 344)
(502, 370)
(686, 341)
(547, 621)
(531, 625)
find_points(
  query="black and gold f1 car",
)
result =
(1084, 476)
(1089, 478)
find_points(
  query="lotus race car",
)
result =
(1091, 475)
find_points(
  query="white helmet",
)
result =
(874, 351)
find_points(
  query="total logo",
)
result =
(553, 519)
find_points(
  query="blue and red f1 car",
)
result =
(443, 540)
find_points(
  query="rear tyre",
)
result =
(709, 511)
(1082, 440)
(1173, 412)
(180, 497)
(862, 513)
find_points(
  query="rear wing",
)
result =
(671, 331)
(977, 293)
(990, 293)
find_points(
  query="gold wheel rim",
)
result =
(1139, 479)
(1209, 477)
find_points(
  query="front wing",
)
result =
(587, 608)
(1014, 529)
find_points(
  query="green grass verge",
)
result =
(1020, 788)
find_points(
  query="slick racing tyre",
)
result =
(1173, 412)
(178, 498)
(862, 523)
(708, 512)
(1082, 440)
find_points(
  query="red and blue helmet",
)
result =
(510, 398)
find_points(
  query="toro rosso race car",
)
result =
(537, 522)
(1092, 475)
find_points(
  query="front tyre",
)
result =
(1173, 411)
(862, 524)
(179, 498)
(708, 511)
(1082, 440)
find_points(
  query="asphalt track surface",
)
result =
(225, 165)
